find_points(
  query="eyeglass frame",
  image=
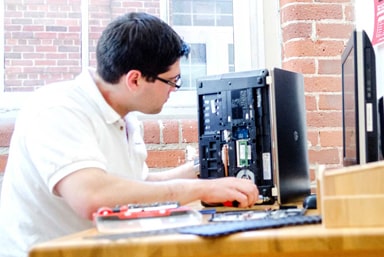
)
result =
(171, 83)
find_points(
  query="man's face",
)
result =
(157, 92)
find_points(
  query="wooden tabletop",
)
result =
(296, 241)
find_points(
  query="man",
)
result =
(77, 145)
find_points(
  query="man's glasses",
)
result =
(177, 84)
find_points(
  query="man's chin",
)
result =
(154, 111)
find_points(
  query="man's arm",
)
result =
(87, 190)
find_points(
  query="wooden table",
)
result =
(307, 240)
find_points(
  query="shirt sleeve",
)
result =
(60, 141)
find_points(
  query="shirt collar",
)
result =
(89, 86)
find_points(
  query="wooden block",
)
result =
(352, 196)
(353, 211)
(360, 179)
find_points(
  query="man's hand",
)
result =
(230, 189)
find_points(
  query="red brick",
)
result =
(324, 119)
(285, 2)
(333, 1)
(189, 131)
(45, 62)
(22, 62)
(165, 158)
(329, 66)
(330, 102)
(132, 4)
(151, 132)
(33, 28)
(304, 66)
(313, 138)
(170, 131)
(42, 56)
(311, 103)
(329, 156)
(297, 30)
(310, 48)
(322, 84)
(331, 138)
(349, 13)
(299, 12)
(3, 162)
(333, 30)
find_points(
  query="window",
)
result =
(208, 27)
(194, 66)
(222, 39)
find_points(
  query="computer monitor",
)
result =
(359, 99)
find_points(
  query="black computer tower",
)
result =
(252, 125)
(234, 128)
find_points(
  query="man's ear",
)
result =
(132, 79)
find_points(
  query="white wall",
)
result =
(365, 20)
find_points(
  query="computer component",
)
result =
(234, 128)
(235, 133)
(360, 112)
(230, 227)
(310, 202)
(142, 217)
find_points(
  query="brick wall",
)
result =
(167, 141)
(42, 42)
(43, 37)
(314, 33)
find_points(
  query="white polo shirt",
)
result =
(65, 127)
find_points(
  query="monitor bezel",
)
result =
(366, 116)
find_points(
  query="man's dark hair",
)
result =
(138, 41)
